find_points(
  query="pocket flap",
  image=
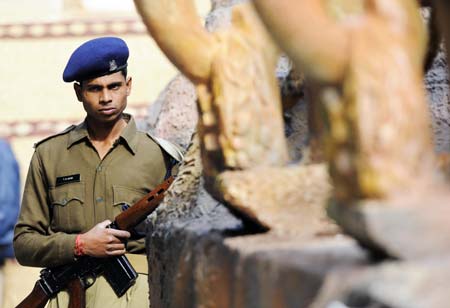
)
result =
(62, 195)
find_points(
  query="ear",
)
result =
(77, 88)
(129, 82)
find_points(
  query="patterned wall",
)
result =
(71, 28)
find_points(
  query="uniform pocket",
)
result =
(67, 205)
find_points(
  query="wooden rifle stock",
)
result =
(36, 299)
(127, 220)
(77, 294)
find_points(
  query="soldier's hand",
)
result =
(103, 242)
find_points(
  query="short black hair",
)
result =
(124, 72)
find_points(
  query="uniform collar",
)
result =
(128, 135)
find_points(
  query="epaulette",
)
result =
(68, 129)
(170, 148)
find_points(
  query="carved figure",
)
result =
(241, 124)
(241, 129)
(368, 73)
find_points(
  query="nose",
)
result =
(105, 96)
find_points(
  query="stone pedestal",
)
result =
(208, 258)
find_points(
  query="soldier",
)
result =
(83, 177)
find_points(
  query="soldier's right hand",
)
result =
(101, 241)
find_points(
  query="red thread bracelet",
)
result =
(79, 251)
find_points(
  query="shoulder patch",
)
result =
(68, 129)
(170, 148)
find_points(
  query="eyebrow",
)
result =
(113, 84)
(109, 85)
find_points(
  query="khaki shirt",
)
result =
(69, 189)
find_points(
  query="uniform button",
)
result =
(64, 201)
(99, 168)
(99, 199)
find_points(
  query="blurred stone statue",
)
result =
(241, 130)
(227, 68)
(367, 72)
(368, 68)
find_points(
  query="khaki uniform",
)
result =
(69, 189)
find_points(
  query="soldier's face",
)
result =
(104, 98)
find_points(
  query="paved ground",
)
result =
(36, 102)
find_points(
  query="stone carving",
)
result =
(241, 129)
(232, 94)
(374, 112)
(196, 246)
(367, 73)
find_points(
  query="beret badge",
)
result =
(112, 65)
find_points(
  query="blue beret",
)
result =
(95, 58)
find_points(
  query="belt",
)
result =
(139, 262)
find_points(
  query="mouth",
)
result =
(108, 111)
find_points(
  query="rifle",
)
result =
(118, 271)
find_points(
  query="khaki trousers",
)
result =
(101, 295)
